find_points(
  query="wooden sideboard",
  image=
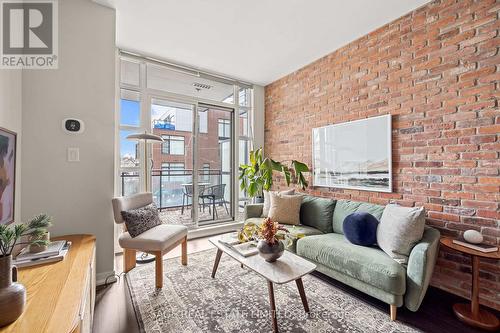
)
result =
(60, 296)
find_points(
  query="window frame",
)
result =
(167, 142)
(145, 126)
(226, 125)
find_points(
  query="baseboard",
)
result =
(101, 278)
(214, 230)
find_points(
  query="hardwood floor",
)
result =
(114, 312)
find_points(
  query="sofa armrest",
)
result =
(421, 264)
(253, 210)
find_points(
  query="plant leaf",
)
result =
(299, 167)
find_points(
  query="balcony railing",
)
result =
(169, 186)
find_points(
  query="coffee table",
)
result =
(290, 267)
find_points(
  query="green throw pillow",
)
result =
(317, 213)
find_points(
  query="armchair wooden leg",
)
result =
(393, 312)
(128, 260)
(184, 256)
(159, 269)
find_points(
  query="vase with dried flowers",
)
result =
(12, 293)
(270, 245)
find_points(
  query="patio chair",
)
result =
(215, 194)
(187, 192)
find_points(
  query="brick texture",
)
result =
(436, 71)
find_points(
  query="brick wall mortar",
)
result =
(436, 70)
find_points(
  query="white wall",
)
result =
(77, 194)
(258, 119)
(11, 119)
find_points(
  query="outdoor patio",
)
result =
(175, 216)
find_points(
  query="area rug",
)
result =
(237, 301)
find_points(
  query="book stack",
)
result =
(56, 251)
(486, 248)
(246, 249)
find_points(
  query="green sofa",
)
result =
(368, 269)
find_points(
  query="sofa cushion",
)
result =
(346, 207)
(141, 219)
(155, 239)
(302, 230)
(342, 209)
(375, 210)
(400, 228)
(267, 199)
(317, 212)
(285, 209)
(367, 264)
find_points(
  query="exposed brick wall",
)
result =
(436, 70)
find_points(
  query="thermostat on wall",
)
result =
(73, 126)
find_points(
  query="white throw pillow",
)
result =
(285, 209)
(267, 200)
(399, 230)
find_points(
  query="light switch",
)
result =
(73, 154)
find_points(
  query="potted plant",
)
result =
(12, 293)
(258, 175)
(270, 244)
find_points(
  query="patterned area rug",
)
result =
(237, 301)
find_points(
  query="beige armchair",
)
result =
(156, 241)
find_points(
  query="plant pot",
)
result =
(270, 253)
(12, 293)
(34, 248)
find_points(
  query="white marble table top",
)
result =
(288, 267)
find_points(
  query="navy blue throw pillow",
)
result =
(361, 228)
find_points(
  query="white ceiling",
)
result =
(258, 41)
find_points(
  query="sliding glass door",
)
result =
(191, 174)
(215, 155)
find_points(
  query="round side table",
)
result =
(472, 313)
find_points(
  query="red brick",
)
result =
(495, 129)
(477, 139)
(482, 155)
(426, 164)
(492, 214)
(457, 195)
(479, 221)
(489, 180)
(482, 188)
(443, 216)
(480, 204)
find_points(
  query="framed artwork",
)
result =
(354, 155)
(7, 175)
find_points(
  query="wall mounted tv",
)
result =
(354, 155)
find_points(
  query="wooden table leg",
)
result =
(216, 263)
(302, 294)
(472, 314)
(273, 306)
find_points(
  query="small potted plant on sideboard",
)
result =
(12, 293)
